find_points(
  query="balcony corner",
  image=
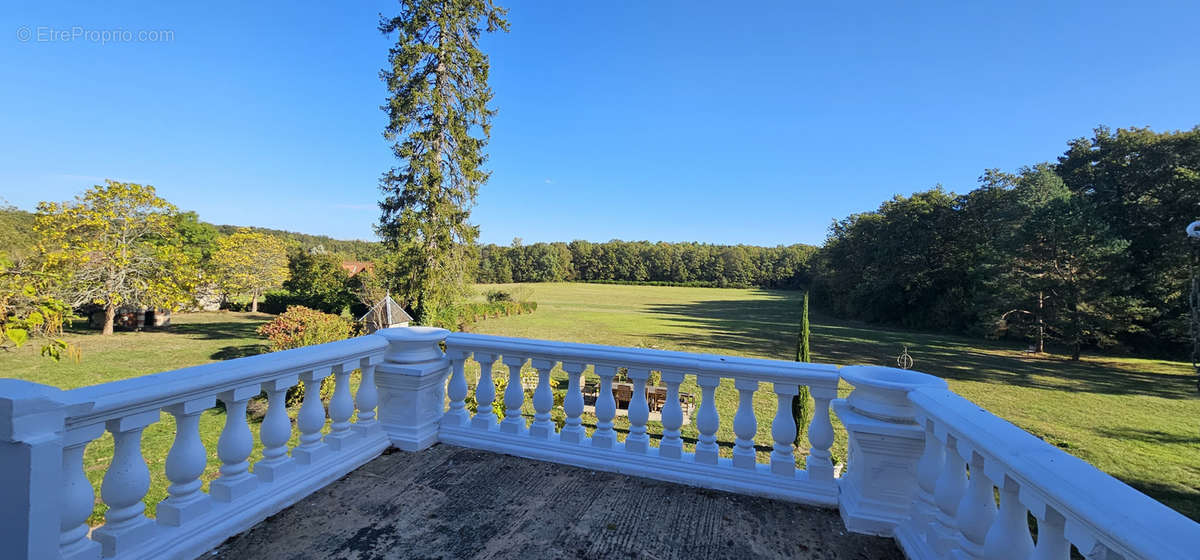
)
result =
(412, 381)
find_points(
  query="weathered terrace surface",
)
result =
(453, 502)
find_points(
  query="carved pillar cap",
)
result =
(413, 345)
(882, 392)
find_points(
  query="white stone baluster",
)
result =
(485, 393)
(185, 464)
(275, 431)
(311, 419)
(77, 499)
(366, 399)
(234, 447)
(572, 431)
(783, 430)
(671, 446)
(1052, 542)
(708, 420)
(456, 391)
(639, 412)
(928, 470)
(819, 463)
(951, 485)
(543, 400)
(606, 408)
(1009, 536)
(514, 396)
(341, 408)
(125, 484)
(745, 425)
(977, 510)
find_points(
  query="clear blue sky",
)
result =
(635, 120)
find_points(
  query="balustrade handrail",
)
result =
(1097, 507)
(774, 371)
(96, 403)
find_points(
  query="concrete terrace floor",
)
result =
(451, 502)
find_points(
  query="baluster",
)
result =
(456, 390)
(928, 469)
(819, 462)
(185, 464)
(671, 445)
(543, 400)
(341, 408)
(77, 498)
(514, 396)
(951, 484)
(745, 425)
(367, 398)
(485, 393)
(1009, 536)
(124, 486)
(639, 412)
(234, 447)
(977, 510)
(311, 419)
(275, 431)
(572, 431)
(708, 420)
(783, 430)
(1052, 542)
(606, 408)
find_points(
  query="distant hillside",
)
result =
(356, 249)
(16, 231)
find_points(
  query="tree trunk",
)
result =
(1075, 351)
(1041, 323)
(110, 313)
(254, 303)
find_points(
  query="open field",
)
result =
(1133, 418)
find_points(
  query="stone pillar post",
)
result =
(31, 456)
(412, 385)
(880, 483)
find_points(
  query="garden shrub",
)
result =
(298, 327)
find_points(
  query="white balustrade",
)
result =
(125, 484)
(951, 485)
(977, 510)
(639, 412)
(745, 426)
(275, 431)
(185, 464)
(311, 419)
(543, 400)
(1052, 541)
(708, 420)
(783, 431)
(671, 446)
(606, 408)
(367, 398)
(514, 395)
(1009, 535)
(573, 431)
(78, 498)
(341, 408)
(820, 435)
(456, 391)
(234, 446)
(485, 393)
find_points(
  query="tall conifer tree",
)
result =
(439, 121)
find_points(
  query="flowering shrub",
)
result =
(300, 326)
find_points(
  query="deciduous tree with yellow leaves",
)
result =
(115, 245)
(249, 262)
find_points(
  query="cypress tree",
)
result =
(438, 122)
(801, 411)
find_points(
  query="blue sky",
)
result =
(637, 120)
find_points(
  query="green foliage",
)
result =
(802, 409)
(27, 311)
(300, 326)
(198, 240)
(646, 263)
(116, 244)
(353, 249)
(438, 122)
(249, 262)
(17, 238)
(319, 281)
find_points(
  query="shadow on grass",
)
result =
(1149, 436)
(768, 327)
(216, 331)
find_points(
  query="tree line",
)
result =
(690, 264)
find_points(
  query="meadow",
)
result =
(1133, 418)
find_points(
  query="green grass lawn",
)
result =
(1133, 418)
